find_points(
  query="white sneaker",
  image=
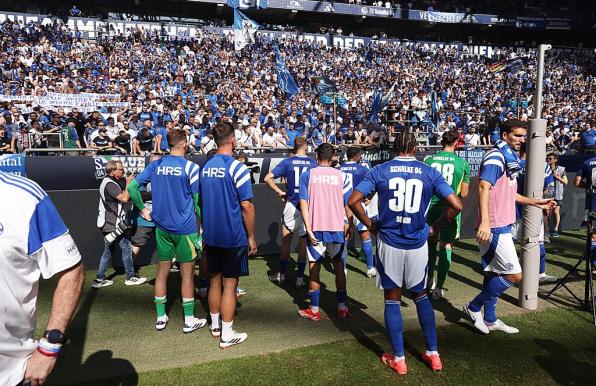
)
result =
(371, 272)
(161, 323)
(135, 280)
(237, 338)
(240, 292)
(477, 318)
(547, 279)
(500, 326)
(277, 277)
(98, 283)
(300, 282)
(437, 293)
(195, 325)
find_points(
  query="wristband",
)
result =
(48, 347)
(46, 353)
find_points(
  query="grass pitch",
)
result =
(114, 340)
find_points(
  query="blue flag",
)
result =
(285, 80)
(434, 113)
(244, 30)
(324, 85)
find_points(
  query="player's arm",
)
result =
(465, 185)
(248, 217)
(64, 302)
(270, 181)
(483, 234)
(453, 209)
(578, 182)
(133, 189)
(366, 188)
(196, 200)
(542, 203)
(303, 194)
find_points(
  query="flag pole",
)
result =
(335, 117)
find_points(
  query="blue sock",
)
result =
(367, 248)
(283, 264)
(542, 258)
(314, 298)
(394, 324)
(593, 252)
(203, 282)
(341, 296)
(490, 311)
(426, 317)
(493, 287)
(301, 268)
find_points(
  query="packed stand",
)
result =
(193, 84)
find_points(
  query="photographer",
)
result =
(112, 220)
(586, 179)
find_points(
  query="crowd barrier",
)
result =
(72, 183)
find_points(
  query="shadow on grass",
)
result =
(70, 367)
(559, 363)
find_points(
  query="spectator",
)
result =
(122, 143)
(560, 176)
(5, 142)
(144, 141)
(102, 142)
(472, 139)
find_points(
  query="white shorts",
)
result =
(316, 253)
(401, 267)
(292, 220)
(499, 255)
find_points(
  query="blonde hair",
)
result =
(112, 165)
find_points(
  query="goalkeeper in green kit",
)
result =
(456, 172)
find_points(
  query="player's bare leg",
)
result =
(314, 293)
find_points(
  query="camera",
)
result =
(121, 227)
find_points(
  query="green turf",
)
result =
(113, 330)
(554, 347)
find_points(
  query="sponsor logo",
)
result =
(294, 4)
(134, 165)
(71, 250)
(329, 8)
(214, 172)
(364, 10)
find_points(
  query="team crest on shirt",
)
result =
(509, 266)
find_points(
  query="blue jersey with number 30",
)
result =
(405, 188)
(291, 169)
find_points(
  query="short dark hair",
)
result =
(325, 152)
(512, 124)
(176, 136)
(222, 133)
(552, 155)
(299, 142)
(405, 142)
(353, 152)
(449, 138)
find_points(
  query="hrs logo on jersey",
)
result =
(327, 180)
(169, 171)
(214, 172)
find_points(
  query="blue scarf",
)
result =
(513, 168)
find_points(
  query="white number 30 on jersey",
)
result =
(408, 195)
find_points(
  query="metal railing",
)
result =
(58, 150)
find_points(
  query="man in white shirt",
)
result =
(472, 139)
(33, 241)
(269, 138)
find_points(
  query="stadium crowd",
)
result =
(193, 84)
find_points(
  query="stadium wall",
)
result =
(72, 183)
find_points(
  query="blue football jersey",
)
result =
(291, 169)
(225, 182)
(588, 176)
(173, 180)
(405, 188)
(354, 172)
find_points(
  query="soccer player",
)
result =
(405, 188)
(229, 218)
(324, 193)
(33, 241)
(291, 169)
(456, 172)
(355, 173)
(175, 196)
(497, 195)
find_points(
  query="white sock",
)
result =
(543, 274)
(162, 318)
(314, 309)
(215, 320)
(226, 330)
(397, 359)
(429, 353)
